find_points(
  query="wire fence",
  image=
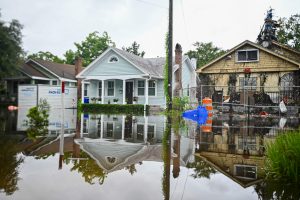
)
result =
(246, 99)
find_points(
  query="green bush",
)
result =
(283, 157)
(180, 103)
(38, 120)
(136, 109)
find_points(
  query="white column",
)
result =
(146, 92)
(102, 93)
(124, 91)
(82, 91)
(146, 128)
(102, 126)
(123, 127)
(81, 126)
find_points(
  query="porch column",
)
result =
(82, 92)
(124, 91)
(102, 92)
(123, 127)
(102, 126)
(146, 129)
(81, 125)
(146, 93)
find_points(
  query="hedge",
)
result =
(114, 108)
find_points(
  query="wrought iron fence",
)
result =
(250, 97)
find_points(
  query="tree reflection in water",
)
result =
(277, 189)
(9, 164)
(90, 170)
(201, 168)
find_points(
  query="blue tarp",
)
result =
(198, 115)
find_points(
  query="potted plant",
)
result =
(135, 99)
(115, 101)
(93, 99)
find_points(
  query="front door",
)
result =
(129, 92)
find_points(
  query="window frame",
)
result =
(155, 88)
(114, 88)
(245, 166)
(85, 90)
(141, 87)
(246, 60)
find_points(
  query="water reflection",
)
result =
(105, 150)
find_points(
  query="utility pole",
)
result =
(170, 50)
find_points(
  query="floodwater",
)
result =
(133, 157)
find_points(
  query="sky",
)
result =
(55, 25)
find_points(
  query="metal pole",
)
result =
(61, 144)
(170, 50)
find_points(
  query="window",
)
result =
(141, 88)
(85, 90)
(245, 171)
(109, 129)
(110, 88)
(247, 55)
(54, 82)
(151, 130)
(188, 90)
(113, 59)
(140, 132)
(248, 83)
(100, 89)
(151, 88)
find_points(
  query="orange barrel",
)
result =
(207, 103)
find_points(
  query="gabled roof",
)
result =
(149, 66)
(30, 71)
(242, 44)
(60, 70)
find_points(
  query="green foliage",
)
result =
(180, 103)
(9, 164)
(136, 109)
(289, 31)
(45, 56)
(89, 49)
(283, 157)
(166, 77)
(10, 47)
(204, 53)
(134, 49)
(38, 120)
(201, 168)
(89, 169)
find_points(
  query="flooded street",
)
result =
(130, 157)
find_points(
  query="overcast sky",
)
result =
(54, 25)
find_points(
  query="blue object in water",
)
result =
(85, 116)
(199, 115)
(86, 100)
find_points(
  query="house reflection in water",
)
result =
(118, 141)
(236, 147)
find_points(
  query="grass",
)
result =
(283, 157)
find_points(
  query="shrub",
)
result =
(38, 119)
(283, 157)
(114, 108)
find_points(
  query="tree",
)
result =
(48, 56)
(289, 31)
(10, 47)
(204, 53)
(134, 49)
(89, 49)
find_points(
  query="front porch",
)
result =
(142, 91)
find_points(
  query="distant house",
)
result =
(117, 76)
(273, 70)
(41, 79)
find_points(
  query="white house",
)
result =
(118, 76)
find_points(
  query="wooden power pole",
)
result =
(170, 50)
